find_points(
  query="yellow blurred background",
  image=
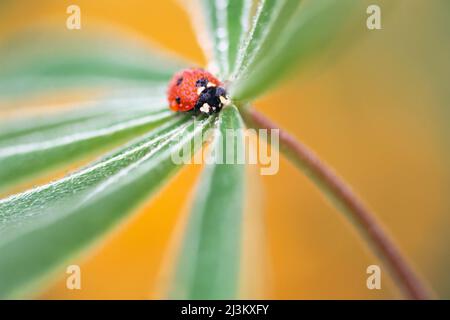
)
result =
(379, 114)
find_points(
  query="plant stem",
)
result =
(343, 196)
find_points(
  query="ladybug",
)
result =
(198, 91)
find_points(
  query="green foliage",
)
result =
(227, 24)
(298, 32)
(212, 244)
(270, 19)
(42, 228)
(42, 60)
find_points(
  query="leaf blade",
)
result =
(226, 23)
(238, 25)
(30, 252)
(76, 113)
(208, 266)
(42, 60)
(270, 19)
(28, 155)
(311, 30)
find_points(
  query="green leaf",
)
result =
(100, 110)
(30, 148)
(46, 60)
(227, 22)
(270, 19)
(209, 262)
(46, 226)
(306, 35)
(238, 25)
(30, 203)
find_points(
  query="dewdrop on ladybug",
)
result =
(198, 91)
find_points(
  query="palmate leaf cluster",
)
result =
(250, 44)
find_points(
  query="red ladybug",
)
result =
(196, 90)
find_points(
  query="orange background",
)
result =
(379, 114)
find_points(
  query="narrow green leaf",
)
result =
(28, 152)
(19, 208)
(312, 29)
(270, 19)
(209, 262)
(78, 113)
(238, 25)
(227, 22)
(43, 228)
(45, 60)
(217, 29)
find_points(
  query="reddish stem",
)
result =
(340, 192)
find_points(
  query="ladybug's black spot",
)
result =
(179, 81)
(178, 100)
(201, 82)
(211, 96)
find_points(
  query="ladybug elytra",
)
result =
(196, 90)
